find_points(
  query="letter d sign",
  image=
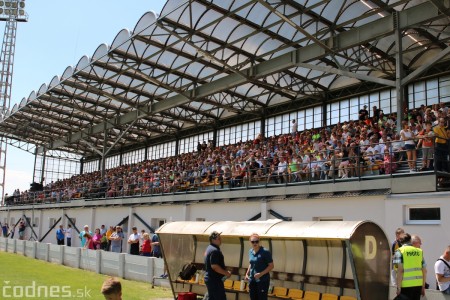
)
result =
(370, 249)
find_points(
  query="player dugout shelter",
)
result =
(340, 258)
(200, 66)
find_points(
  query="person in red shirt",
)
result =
(146, 249)
(89, 241)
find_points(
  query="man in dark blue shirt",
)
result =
(60, 234)
(156, 248)
(215, 268)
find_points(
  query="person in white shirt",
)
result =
(408, 137)
(442, 270)
(69, 235)
(294, 128)
(102, 230)
(133, 241)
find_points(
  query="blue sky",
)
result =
(57, 35)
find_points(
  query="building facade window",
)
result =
(423, 215)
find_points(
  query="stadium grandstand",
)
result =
(247, 110)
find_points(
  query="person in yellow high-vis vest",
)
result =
(411, 269)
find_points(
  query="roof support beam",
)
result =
(444, 8)
(348, 74)
(424, 12)
(119, 137)
(426, 66)
(92, 146)
(299, 28)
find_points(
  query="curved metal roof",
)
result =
(271, 228)
(202, 61)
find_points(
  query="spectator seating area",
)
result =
(370, 146)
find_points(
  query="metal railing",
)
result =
(328, 165)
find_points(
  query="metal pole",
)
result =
(399, 73)
(44, 157)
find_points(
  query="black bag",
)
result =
(188, 271)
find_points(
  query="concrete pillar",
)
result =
(121, 265)
(14, 245)
(24, 243)
(2, 244)
(150, 268)
(78, 257)
(34, 251)
(63, 218)
(62, 250)
(8, 217)
(33, 225)
(47, 251)
(131, 223)
(186, 212)
(98, 262)
(264, 210)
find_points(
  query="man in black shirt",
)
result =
(215, 268)
(363, 113)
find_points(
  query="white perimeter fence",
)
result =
(123, 265)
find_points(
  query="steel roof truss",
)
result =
(424, 12)
(426, 66)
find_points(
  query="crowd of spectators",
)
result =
(368, 146)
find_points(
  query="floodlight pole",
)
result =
(6, 75)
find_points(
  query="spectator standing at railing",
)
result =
(97, 239)
(5, 229)
(89, 244)
(410, 146)
(133, 241)
(146, 248)
(16, 195)
(82, 235)
(102, 229)
(22, 227)
(156, 248)
(426, 143)
(69, 235)
(116, 240)
(60, 233)
(109, 232)
(441, 146)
